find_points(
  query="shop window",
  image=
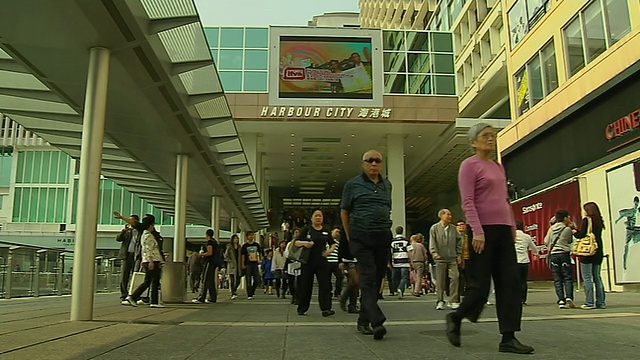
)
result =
(618, 11)
(594, 31)
(212, 36)
(231, 80)
(231, 37)
(255, 81)
(257, 38)
(230, 60)
(256, 60)
(445, 85)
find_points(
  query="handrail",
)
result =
(36, 247)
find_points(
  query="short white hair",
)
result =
(365, 156)
(441, 212)
(476, 129)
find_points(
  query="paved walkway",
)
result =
(269, 328)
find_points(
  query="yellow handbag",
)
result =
(586, 246)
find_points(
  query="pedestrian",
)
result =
(209, 279)
(445, 245)
(463, 230)
(400, 262)
(365, 210)
(151, 260)
(349, 265)
(127, 239)
(194, 270)
(250, 260)
(418, 258)
(269, 276)
(232, 256)
(334, 261)
(523, 244)
(485, 202)
(558, 240)
(277, 267)
(590, 265)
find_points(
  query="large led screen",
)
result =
(325, 66)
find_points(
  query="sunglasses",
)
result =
(373, 160)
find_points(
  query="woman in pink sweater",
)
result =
(485, 202)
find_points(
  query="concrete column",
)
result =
(179, 241)
(234, 226)
(395, 174)
(93, 121)
(215, 216)
(250, 146)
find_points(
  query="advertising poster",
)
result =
(536, 213)
(624, 193)
(314, 67)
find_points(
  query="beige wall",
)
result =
(606, 66)
(404, 108)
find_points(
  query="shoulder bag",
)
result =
(298, 253)
(553, 243)
(586, 246)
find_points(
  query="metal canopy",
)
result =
(165, 97)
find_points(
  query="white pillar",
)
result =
(179, 242)
(395, 174)
(234, 225)
(250, 146)
(215, 216)
(93, 121)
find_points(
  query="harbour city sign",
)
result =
(324, 112)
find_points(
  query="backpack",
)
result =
(586, 246)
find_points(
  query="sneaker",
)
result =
(124, 302)
(570, 304)
(157, 306)
(140, 302)
(440, 305)
(489, 303)
(249, 297)
(234, 296)
(196, 301)
(601, 307)
(587, 307)
(562, 304)
(455, 306)
(131, 302)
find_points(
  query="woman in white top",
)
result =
(151, 260)
(523, 244)
(277, 267)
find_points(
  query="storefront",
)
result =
(595, 143)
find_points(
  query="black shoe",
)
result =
(327, 313)
(380, 297)
(379, 332)
(516, 347)
(301, 313)
(353, 310)
(453, 331)
(365, 330)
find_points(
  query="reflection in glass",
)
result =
(518, 27)
(594, 30)
(419, 62)
(214, 56)
(257, 38)
(418, 41)
(522, 91)
(549, 68)
(255, 81)
(445, 85)
(618, 15)
(231, 80)
(442, 42)
(573, 39)
(394, 62)
(393, 40)
(395, 83)
(231, 37)
(230, 60)
(256, 59)
(536, 80)
(420, 84)
(443, 63)
(212, 36)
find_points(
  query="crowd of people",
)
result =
(458, 261)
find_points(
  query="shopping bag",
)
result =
(136, 279)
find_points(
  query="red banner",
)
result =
(536, 211)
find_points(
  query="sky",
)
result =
(267, 12)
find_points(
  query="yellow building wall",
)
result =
(613, 61)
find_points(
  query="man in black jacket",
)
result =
(128, 238)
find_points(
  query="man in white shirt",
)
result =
(523, 244)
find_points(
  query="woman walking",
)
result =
(590, 265)
(151, 260)
(232, 256)
(277, 267)
(483, 189)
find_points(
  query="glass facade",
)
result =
(6, 162)
(537, 79)
(414, 62)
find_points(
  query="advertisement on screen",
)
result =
(318, 65)
(537, 213)
(623, 185)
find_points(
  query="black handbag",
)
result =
(298, 253)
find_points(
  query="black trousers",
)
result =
(281, 282)
(127, 269)
(373, 250)
(319, 268)
(151, 280)
(497, 260)
(234, 283)
(195, 280)
(523, 275)
(335, 270)
(208, 283)
(252, 278)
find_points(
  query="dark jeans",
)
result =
(252, 273)
(351, 292)
(335, 270)
(195, 280)
(293, 287)
(319, 268)
(234, 282)
(151, 279)
(281, 282)
(373, 250)
(498, 260)
(400, 277)
(127, 269)
(523, 275)
(562, 275)
(208, 283)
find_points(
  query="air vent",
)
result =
(318, 149)
(317, 158)
(321, 140)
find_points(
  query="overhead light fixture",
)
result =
(419, 136)
(345, 154)
(411, 146)
(342, 162)
(292, 145)
(353, 135)
(292, 134)
(348, 145)
(292, 161)
(293, 154)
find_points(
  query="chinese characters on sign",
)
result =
(329, 112)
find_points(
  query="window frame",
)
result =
(543, 77)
